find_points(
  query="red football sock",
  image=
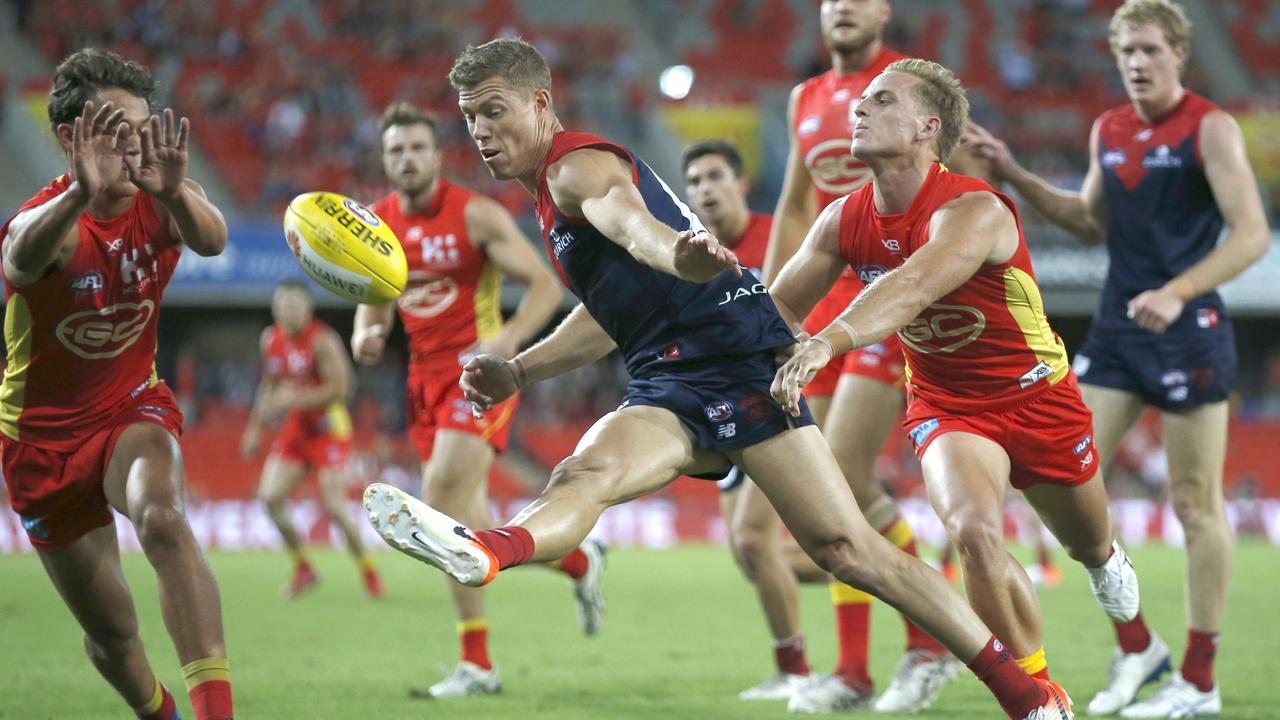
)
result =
(1132, 636)
(789, 655)
(209, 687)
(511, 545)
(574, 564)
(1197, 663)
(853, 621)
(1015, 690)
(474, 637)
(161, 707)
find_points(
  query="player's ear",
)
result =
(63, 133)
(929, 129)
(744, 182)
(542, 100)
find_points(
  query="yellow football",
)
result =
(345, 247)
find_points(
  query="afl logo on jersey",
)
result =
(89, 282)
(870, 273)
(1114, 158)
(105, 333)
(426, 299)
(834, 169)
(809, 125)
(944, 328)
(719, 411)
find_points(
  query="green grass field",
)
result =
(683, 636)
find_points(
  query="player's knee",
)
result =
(979, 544)
(750, 546)
(840, 558)
(583, 475)
(161, 526)
(111, 642)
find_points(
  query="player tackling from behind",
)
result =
(459, 246)
(1166, 171)
(87, 426)
(699, 337)
(992, 399)
(306, 381)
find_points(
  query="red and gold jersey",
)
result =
(983, 346)
(82, 339)
(751, 245)
(292, 359)
(452, 300)
(824, 133)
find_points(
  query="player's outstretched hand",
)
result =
(988, 146)
(1155, 310)
(161, 167)
(367, 345)
(797, 372)
(699, 257)
(99, 138)
(488, 380)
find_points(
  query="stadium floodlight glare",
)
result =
(676, 81)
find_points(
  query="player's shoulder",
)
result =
(387, 206)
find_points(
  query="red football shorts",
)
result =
(882, 362)
(435, 402)
(59, 495)
(296, 443)
(1049, 439)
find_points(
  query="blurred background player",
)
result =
(856, 400)
(717, 189)
(1166, 171)
(87, 425)
(993, 400)
(306, 380)
(459, 246)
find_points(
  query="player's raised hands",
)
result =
(99, 138)
(161, 167)
(797, 372)
(489, 379)
(988, 146)
(699, 257)
(368, 344)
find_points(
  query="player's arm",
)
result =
(494, 230)
(252, 437)
(369, 333)
(1226, 166)
(974, 229)
(795, 209)
(194, 221)
(1080, 212)
(596, 185)
(578, 340)
(336, 377)
(811, 273)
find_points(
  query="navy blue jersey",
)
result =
(657, 320)
(1161, 215)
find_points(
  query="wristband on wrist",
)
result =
(521, 375)
(819, 339)
(848, 330)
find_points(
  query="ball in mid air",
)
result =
(345, 247)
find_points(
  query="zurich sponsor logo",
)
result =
(1162, 158)
(719, 411)
(921, 432)
(1082, 445)
(870, 273)
(1112, 158)
(560, 241)
(809, 125)
(87, 282)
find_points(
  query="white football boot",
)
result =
(827, 694)
(778, 687)
(412, 527)
(1129, 672)
(1177, 699)
(587, 590)
(918, 681)
(467, 679)
(1115, 585)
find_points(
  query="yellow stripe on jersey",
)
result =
(338, 420)
(17, 337)
(1022, 298)
(488, 302)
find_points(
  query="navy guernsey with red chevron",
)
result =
(657, 320)
(1161, 215)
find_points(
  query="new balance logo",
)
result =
(727, 430)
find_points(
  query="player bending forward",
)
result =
(459, 246)
(699, 338)
(306, 381)
(992, 399)
(87, 425)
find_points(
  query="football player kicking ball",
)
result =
(992, 399)
(699, 338)
(459, 246)
(87, 426)
(306, 381)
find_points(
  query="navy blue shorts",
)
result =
(724, 401)
(1172, 372)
